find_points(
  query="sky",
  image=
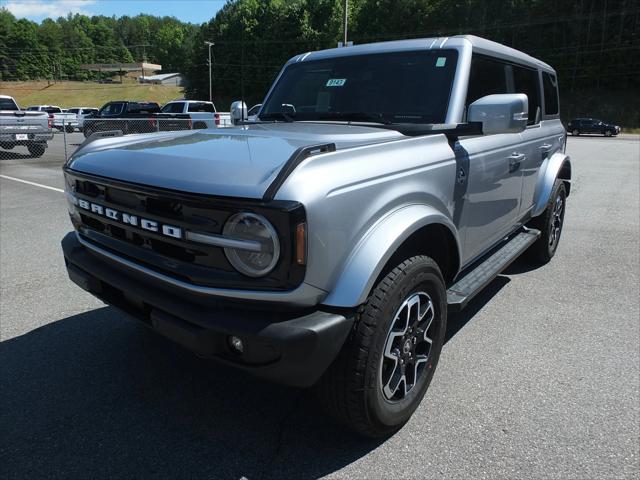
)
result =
(194, 11)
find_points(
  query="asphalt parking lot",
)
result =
(539, 378)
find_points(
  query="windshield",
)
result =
(397, 87)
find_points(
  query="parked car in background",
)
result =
(203, 114)
(82, 113)
(580, 126)
(134, 117)
(27, 128)
(61, 120)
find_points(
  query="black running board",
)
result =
(467, 287)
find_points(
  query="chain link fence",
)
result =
(54, 140)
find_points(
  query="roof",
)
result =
(477, 44)
(184, 100)
(162, 76)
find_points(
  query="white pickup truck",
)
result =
(203, 114)
(82, 113)
(61, 120)
(18, 127)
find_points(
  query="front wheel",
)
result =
(550, 224)
(387, 363)
(575, 132)
(608, 133)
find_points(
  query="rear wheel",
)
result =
(550, 224)
(69, 129)
(36, 150)
(7, 146)
(387, 363)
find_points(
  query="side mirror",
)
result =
(238, 112)
(500, 113)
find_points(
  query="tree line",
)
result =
(55, 49)
(593, 44)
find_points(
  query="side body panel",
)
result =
(350, 195)
(540, 143)
(491, 191)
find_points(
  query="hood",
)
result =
(235, 162)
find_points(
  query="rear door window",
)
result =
(144, 108)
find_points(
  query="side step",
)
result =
(459, 294)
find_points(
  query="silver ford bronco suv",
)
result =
(323, 244)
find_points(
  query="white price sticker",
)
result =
(336, 82)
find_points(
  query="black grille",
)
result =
(197, 263)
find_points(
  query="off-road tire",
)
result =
(543, 250)
(36, 150)
(350, 389)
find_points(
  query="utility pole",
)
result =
(210, 44)
(345, 16)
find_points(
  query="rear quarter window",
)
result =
(550, 86)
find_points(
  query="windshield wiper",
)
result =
(356, 117)
(277, 116)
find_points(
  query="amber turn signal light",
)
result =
(301, 244)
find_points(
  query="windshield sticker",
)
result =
(336, 82)
(441, 61)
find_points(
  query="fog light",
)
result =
(236, 344)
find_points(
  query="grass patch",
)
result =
(86, 94)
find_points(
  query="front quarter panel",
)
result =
(362, 202)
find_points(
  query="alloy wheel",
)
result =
(407, 347)
(557, 216)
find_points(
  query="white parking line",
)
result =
(32, 183)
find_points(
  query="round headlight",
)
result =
(252, 261)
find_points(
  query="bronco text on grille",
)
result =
(133, 220)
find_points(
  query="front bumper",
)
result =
(285, 346)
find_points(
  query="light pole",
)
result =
(210, 44)
(345, 20)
